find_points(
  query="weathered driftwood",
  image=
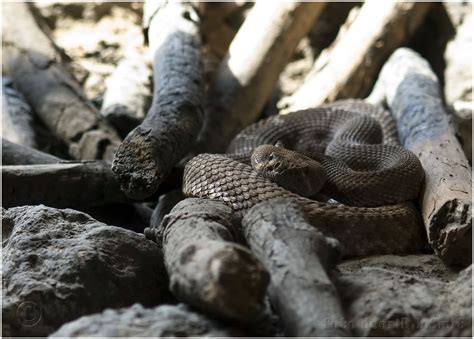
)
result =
(69, 184)
(34, 64)
(206, 269)
(128, 93)
(17, 117)
(412, 92)
(172, 124)
(348, 68)
(247, 76)
(15, 154)
(297, 256)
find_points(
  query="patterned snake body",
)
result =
(328, 129)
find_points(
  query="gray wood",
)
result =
(297, 256)
(349, 67)
(412, 92)
(35, 66)
(249, 72)
(127, 94)
(149, 152)
(15, 154)
(17, 117)
(206, 269)
(68, 184)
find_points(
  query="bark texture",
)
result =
(149, 152)
(14, 154)
(35, 66)
(248, 74)
(348, 68)
(206, 269)
(412, 92)
(67, 184)
(297, 256)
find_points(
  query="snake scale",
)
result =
(358, 155)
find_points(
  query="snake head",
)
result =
(266, 160)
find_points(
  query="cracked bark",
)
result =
(149, 152)
(67, 184)
(206, 269)
(297, 256)
(348, 68)
(412, 92)
(35, 66)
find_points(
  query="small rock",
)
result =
(61, 264)
(136, 321)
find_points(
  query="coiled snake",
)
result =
(355, 143)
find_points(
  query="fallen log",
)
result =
(149, 152)
(34, 64)
(297, 256)
(247, 76)
(412, 92)
(15, 154)
(348, 68)
(128, 93)
(206, 269)
(17, 117)
(68, 184)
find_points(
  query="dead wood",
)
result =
(297, 256)
(35, 66)
(15, 154)
(17, 117)
(412, 92)
(247, 76)
(68, 184)
(128, 93)
(206, 269)
(348, 68)
(173, 121)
